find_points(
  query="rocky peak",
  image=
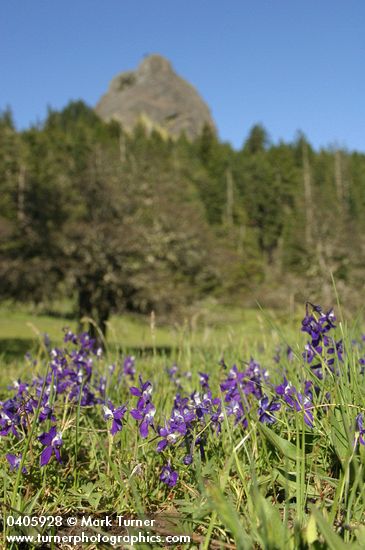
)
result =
(154, 64)
(156, 95)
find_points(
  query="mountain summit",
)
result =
(157, 96)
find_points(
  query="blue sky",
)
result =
(288, 64)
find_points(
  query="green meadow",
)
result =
(296, 482)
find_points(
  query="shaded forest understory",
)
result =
(135, 222)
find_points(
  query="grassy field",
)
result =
(21, 329)
(266, 454)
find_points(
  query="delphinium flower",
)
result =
(181, 421)
(188, 416)
(206, 405)
(70, 375)
(266, 410)
(52, 441)
(145, 414)
(255, 377)
(86, 342)
(308, 355)
(82, 394)
(46, 413)
(179, 424)
(249, 381)
(16, 412)
(174, 374)
(116, 415)
(170, 434)
(304, 404)
(143, 392)
(217, 417)
(360, 428)
(83, 365)
(311, 324)
(203, 404)
(129, 366)
(58, 361)
(70, 337)
(296, 400)
(234, 407)
(9, 418)
(322, 347)
(19, 386)
(72, 370)
(233, 379)
(15, 461)
(239, 386)
(169, 476)
(233, 398)
(183, 409)
(27, 406)
(204, 380)
(145, 410)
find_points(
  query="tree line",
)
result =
(134, 221)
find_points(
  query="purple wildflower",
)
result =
(52, 441)
(266, 409)
(296, 400)
(285, 389)
(46, 413)
(170, 435)
(217, 417)
(144, 392)
(86, 342)
(174, 375)
(70, 337)
(15, 461)
(360, 427)
(19, 386)
(168, 476)
(145, 410)
(116, 415)
(9, 421)
(129, 366)
(322, 347)
(204, 380)
(146, 415)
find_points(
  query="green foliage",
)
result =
(140, 222)
(281, 487)
(257, 140)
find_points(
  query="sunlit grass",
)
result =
(284, 486)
